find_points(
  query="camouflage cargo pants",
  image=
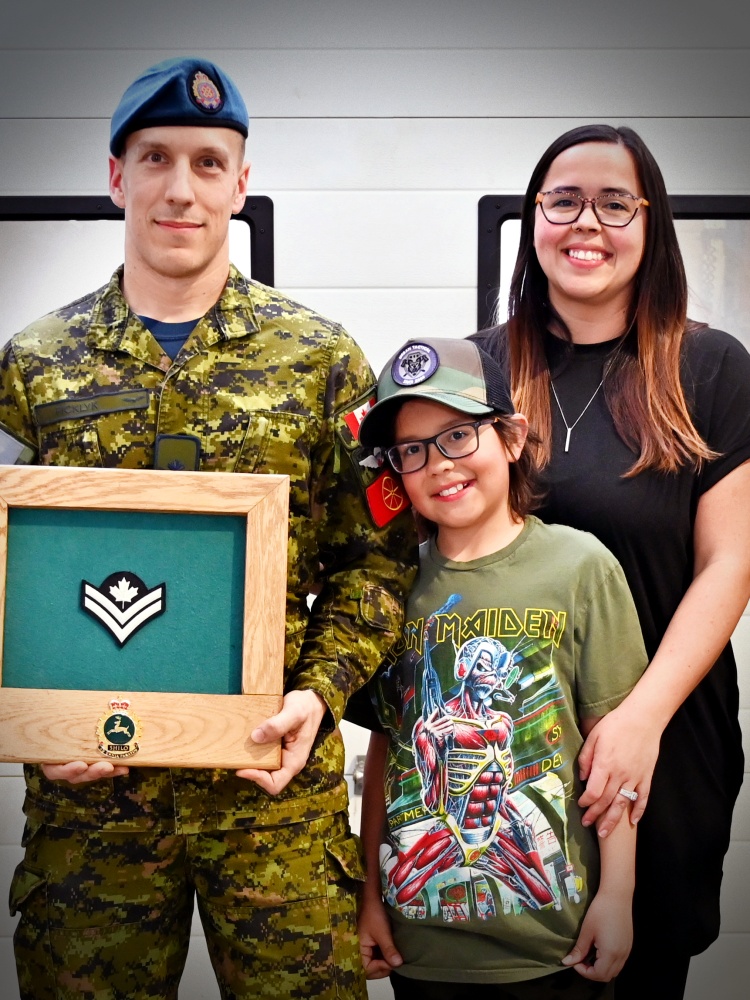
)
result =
(107, 916)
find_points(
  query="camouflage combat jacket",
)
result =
(266, 385)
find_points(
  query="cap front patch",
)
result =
(122, 604)
(415, 364)
(205, 94)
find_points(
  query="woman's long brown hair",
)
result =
(642, 381)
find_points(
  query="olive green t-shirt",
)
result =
(486, 868)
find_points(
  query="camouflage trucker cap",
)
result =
(454, 372)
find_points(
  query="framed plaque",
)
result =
(142, 615)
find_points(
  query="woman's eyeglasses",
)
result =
(455, 442)
(563, 207)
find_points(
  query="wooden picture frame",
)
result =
(173, 728)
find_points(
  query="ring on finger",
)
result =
(628, 794)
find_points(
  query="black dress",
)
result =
(647, 522)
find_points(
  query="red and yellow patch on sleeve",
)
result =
(386, 498)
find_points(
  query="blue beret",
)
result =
(185, 91)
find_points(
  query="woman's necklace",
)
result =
(607, 364)
(569, 427)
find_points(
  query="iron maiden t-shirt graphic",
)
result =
(466, 839)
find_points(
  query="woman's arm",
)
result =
(622, 750)
(606, 934)
(379, 954)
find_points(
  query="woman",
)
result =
(645, 430)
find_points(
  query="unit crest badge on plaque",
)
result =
(118, 730)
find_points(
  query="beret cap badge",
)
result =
(204, 93)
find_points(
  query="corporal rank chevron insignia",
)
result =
(123, 604)
(118, 730)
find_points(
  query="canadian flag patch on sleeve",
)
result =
(355, 417)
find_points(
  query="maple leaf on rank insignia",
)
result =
(123, 593)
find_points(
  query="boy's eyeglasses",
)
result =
(455, 442)
(563, 207)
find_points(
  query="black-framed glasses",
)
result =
(563, 207)
(455, 442)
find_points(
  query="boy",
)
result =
(518, 637)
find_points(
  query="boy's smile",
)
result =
(451, 491)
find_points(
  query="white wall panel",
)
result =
(720, 972)
(375, 239)
(379, 83)
(491, 156)
(9, 858)
(735, 913)
(355, 739)
(8, 970)
(11, 828)
(54, 157)
(198, 980)
(11, 816)
(741, 646)
(741, 821)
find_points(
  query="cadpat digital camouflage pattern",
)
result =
(113, 920)
(267, 385)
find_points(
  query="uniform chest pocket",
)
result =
(279, 443)
(75, 444)
(109, 441)
(108, 429)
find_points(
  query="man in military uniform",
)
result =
(180, 343)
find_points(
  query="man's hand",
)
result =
(78, 773)
(297, 726)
